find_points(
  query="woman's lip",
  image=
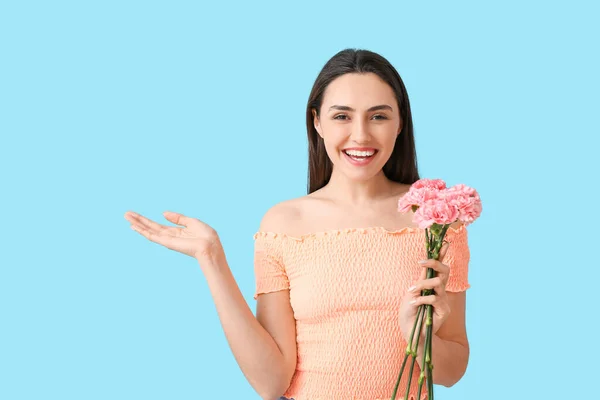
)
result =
(361, 149)
(359, 163)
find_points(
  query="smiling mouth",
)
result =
(360, 155)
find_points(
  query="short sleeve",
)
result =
(269, 269)
(457, 259)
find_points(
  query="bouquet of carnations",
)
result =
(436, 208)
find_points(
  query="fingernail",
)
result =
(422, 261)
(413, 301)
(412, 288)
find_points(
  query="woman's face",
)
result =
(359, 123)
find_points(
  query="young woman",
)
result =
(337, 275)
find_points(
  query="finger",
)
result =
(436, 265)
(414, 289)
(442, 276)
(178, 219)
(423, 274)
(443, 251)
(138, 219)
(436, 283)
(433, 300)
(135, 220)
(417, 301)
(164, 240)
(153, 226)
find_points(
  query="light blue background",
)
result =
(113, 106)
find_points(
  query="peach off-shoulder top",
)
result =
(345, 289)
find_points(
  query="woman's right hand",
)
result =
(196, 239)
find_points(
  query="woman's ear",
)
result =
(317, 122)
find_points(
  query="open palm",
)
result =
(195, 239)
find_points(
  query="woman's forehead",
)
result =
(359, 91)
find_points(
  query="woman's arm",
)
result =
(263, 346)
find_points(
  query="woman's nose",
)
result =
(359, 132)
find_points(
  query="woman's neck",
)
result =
(354, 193)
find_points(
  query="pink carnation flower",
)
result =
(430, 183)
(435, 211)
(466, 190)
(416, 197)
(433, 203)
(466, 200)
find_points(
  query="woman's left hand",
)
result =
(413, 299)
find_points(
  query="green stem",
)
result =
(421, 316)
(424, 363)
(399, 377)
(433, 251)
(420, 312)
(421, 379)
(428, 357)
(408, 351)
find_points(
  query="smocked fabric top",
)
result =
(345, 289)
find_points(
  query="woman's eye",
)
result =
(344, 117)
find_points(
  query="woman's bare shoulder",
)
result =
(289, 215)
(280, 215)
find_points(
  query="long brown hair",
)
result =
(402, 165)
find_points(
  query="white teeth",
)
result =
(360, 153)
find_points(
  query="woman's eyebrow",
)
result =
(374, 108)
